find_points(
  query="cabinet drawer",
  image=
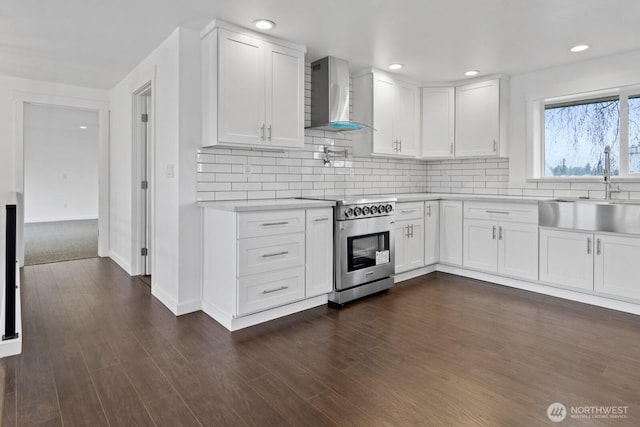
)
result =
(264, 291)
(514, 212)
(412, 210)
(262, 254)
(269, 223)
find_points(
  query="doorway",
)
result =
(142, 122)
(61, 183)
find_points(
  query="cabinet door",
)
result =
(383, 93)
(319, 277)
(400, 236)
(414, 252)
(451, 232)
(480, 244)
(566, 258)
(241, 89)
(285, 97)
(431, 232)
(518, 250)
(617, 266)
(477, 119)
(405, 118)
(438, 112)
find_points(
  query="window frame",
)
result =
(622, 94)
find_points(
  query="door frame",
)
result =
(20, 98)
(143, 217)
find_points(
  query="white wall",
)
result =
(174, 71)
(61, 163)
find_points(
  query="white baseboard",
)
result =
(165, 299)
(235, 323)
(124, 264)
(414, 273)
(58, 219)
(188, 307)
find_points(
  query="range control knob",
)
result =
(388, 208)
(348, 212)
(381, 209)
(357, 211)
(374, 209)
(365, 210)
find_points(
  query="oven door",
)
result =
(364, 251)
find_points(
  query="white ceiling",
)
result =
(95, 43)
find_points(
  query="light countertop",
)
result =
(265, 204)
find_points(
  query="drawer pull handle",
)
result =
(281, 288)
(276, 254)
(321, 219)
(269, 224)
(498, 212)
(409, 211)
(371, 273)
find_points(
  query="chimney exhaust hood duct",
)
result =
(330, 95)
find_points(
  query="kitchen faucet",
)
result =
(608, 189)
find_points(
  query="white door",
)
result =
(431, 232)
(617, 266)
(383, 91)
(480, 244)
(405, 118)
(319, 245)
(518, 250)
(285, 97)
(477, 119)
(438, 111)
(241, 89)
(451, 232)
(566, 258)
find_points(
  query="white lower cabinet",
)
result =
(319, 252)
(602, 263)
(262, 260)
(451, 232)
(566, 258)
(408, 233)
(617, 265)
(431, 232)
(508, 245)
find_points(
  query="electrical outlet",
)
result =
(247, 171)
(352, 172)
(329, 141)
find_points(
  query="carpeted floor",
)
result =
(46, 242)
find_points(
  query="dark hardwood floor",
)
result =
(439, 350)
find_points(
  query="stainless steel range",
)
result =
(364, 248)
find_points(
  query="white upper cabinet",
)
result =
(480, 119)
(392, 108)
(253, 90)
(438, 112)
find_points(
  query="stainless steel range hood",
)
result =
(330, 95)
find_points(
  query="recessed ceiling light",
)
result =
(471, 73)
(83, 127)
(264, 24)
(579, 48)
(395, 66)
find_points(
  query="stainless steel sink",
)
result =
(614, 216)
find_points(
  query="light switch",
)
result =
(170, 170)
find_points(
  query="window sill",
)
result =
(585, 179)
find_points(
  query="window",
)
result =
(576, 133)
